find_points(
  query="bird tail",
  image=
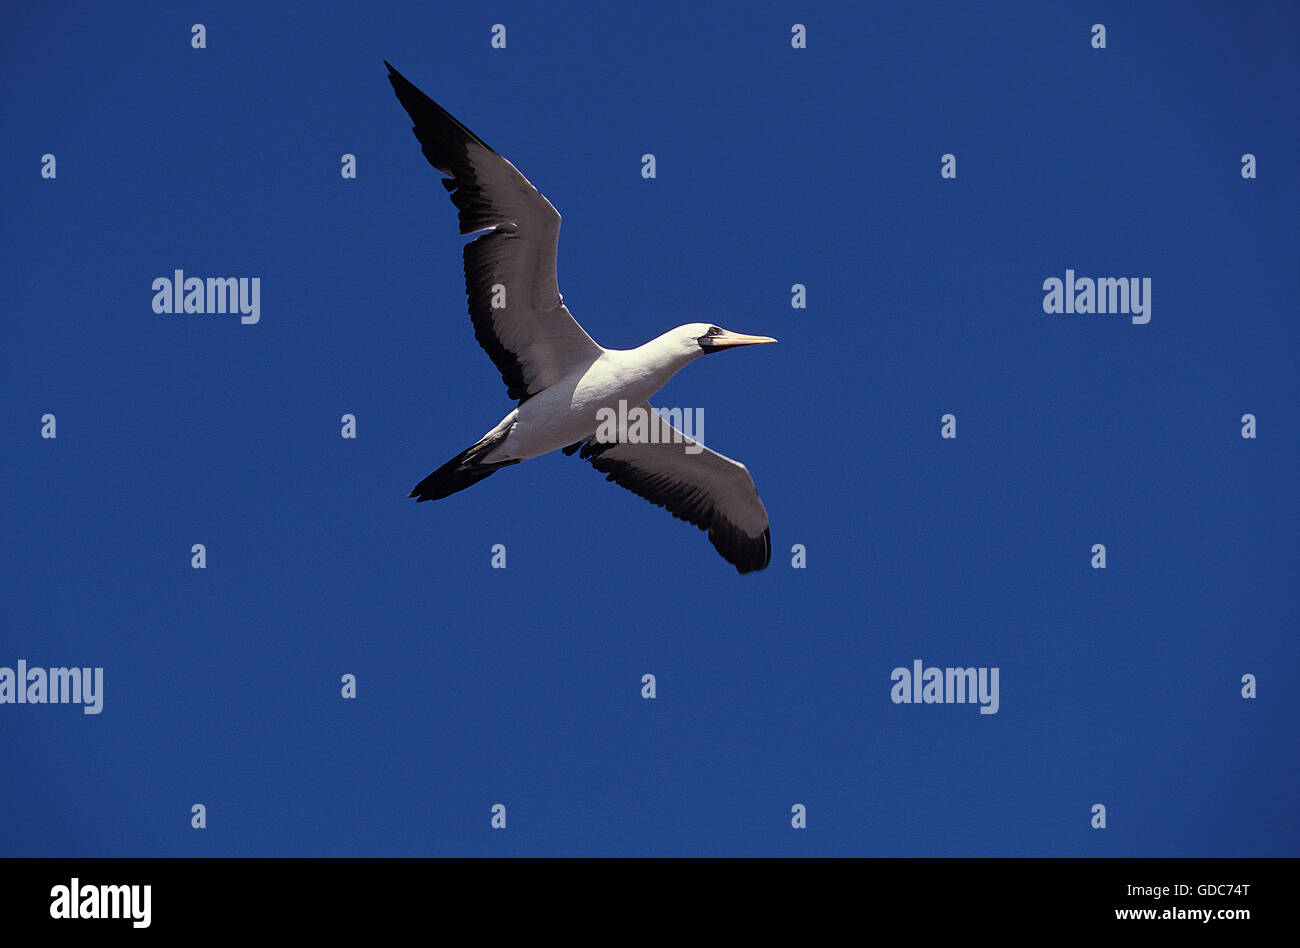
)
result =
(464, 470)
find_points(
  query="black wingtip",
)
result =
(398, 81)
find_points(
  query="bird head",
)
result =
(710, 338)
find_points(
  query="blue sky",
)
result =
(521, 686)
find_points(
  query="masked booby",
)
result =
(565, 383)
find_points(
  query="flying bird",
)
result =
(561, 378)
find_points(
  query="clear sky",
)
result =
(522, 686)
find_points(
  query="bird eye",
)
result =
(714, 330)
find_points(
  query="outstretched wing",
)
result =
(519, 317)
(693, 484)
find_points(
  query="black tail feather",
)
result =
(452, 477)
(464, 470)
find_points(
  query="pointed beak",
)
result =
(727, 340)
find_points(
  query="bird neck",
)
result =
(665, 356)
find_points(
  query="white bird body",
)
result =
(569, 411)
(564, 381)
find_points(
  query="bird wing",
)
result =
(519, 317)
(699, 486)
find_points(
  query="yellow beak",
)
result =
(728, 339)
